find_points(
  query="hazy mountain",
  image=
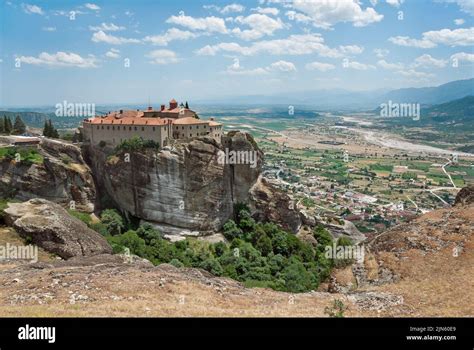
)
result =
(432, 95)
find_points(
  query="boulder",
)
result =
(49, 226)
(465, 196)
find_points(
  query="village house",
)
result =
(161, 126)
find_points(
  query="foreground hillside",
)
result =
(421, 269)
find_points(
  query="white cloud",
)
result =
(106, 27)
(411, 73)
(407, 41)
(324, 14)
(113, 53)
(260, 25)
(466, 6)
(459, 21)
(381, 53)
(170, 35)
(232, 8)
(390, 66)
(298, 17)
(351, 49)
(267, 10)
(374, 2)
(357, 65)
(101, 36)
(463, 56)
(302, 44)
(322, 67)
(210, 24)
(456, 37)
(280, 66)
(49, 29)
(32, 9)
(163, 57)
(426, 61)
(395, 3)
(60, 59)
(93, 7)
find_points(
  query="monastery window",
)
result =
(97, 127)
(143, 129)
(153, 128)
(183, 127)
(129, 128)
(135, 128)
(108, 127)
(113, 127)
(102, 127)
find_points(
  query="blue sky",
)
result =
(131, 51)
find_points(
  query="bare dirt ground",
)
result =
(431, 282)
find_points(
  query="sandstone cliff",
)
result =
(62, 177)
(183, 189)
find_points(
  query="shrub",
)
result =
(84, 217)
(176, 263)
(231, 230)
(112, 221)
(213, 266)
(148, 233)
(130, 240)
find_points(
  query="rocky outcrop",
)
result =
(61, 177)
(465, 196)
(49, 226)
(184, 189)
(273, 205)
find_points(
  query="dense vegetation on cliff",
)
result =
(257, 254)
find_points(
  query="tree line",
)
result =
(19, 127)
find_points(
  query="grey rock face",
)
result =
(183, 187)
(49, 226)
(62, 177)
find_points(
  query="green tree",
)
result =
(7, 125)
(113, 221)
(2, 125)
(19, 126)
(186, 105)
(148, 233)
(231, 230)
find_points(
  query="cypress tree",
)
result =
(2, 125)
(187, 106)
(19, 127)
(7, 125)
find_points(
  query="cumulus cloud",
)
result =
(381, 53)
(302, 44)
(463, 56)
(456, 37)
(232, 8)
(210, 24)
(113, 53)
(466, 6)
(106, 27)
(390, 66)
(162, 57)
(60, 59)
(32, 9)
(426, 61)
(411, 73)
(267, 10)
(280, 66)
(260, 25)
(325, 14)
(170, 35)
(101, 36)
(322, 67)
(395, 3)
(459, 21)
(92, 7)
(357, 65)
(351, 49)
(49, 29)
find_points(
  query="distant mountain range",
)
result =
(340, 99)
